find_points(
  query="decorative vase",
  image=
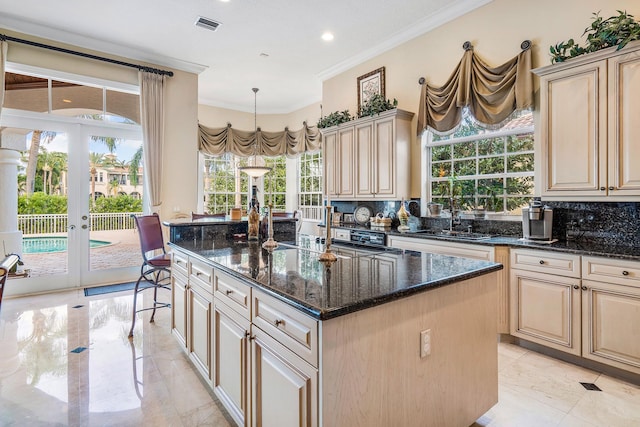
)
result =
(403, 216)
(254, 224)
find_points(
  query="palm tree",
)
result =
(114, 186)
(109, 141)
(95, 160)
(134, 167)
(37, 137)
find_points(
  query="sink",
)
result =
(465, 235)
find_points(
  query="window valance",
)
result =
(490, 93)
(217, 141)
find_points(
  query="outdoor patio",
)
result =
(123, 251)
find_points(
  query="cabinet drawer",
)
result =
(234, 293)
(546, 262)
(180, 263)
(340, 234)
(290, 327)
(201, 274)
(621, 272)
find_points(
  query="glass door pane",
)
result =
(115, 193)
(43, 201)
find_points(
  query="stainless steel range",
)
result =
(368, 238)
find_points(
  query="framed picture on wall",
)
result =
(370, 84)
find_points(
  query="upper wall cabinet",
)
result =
(589, 128)
(368, 158)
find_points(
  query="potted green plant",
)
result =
(376, 104)
(602, 33)
(334, 119)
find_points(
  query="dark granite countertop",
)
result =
(357, 280)
(578, 247)
(185, 222)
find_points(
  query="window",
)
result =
(43, 94)
(275, 183)
(224, 186)
(483, 168)
(310, 181)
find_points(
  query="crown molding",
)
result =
(435, 20)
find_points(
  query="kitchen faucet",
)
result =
(455, 215)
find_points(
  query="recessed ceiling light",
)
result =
(327, 36)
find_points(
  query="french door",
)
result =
(76, 248)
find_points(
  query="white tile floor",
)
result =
(44, 383)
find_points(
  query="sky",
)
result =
(124, 150)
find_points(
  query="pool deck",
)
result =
(124, 251)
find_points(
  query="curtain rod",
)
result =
(526, 44)
(4, 37)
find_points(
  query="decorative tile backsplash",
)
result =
(608, 223)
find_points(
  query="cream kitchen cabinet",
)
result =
(611, 312)
(338, 154)
(588, 112)
(586, 306)
(368, 158)
(467, 250)
(265, 357)
(192, 307)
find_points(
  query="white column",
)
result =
(10, 236)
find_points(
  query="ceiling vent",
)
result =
(207, 23)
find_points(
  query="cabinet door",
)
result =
(545, 309)
(330, 156)
(284, 387)
(611, 324)
(384, 161)
(624, 131)
(573, 127)
(230, 362)
(200, 308)
(179, 307)
(344, 164)
(364, 156)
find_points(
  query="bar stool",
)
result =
(156, 268)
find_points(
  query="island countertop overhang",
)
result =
(356, 281)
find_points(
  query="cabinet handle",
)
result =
(278, 322)
(625, 273)
(611, 188)
(541, 261)
(602, 188)
(576, 287)
(198, 273)
(228, 291)
(584, 288)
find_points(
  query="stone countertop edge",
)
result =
(187, 222)
(574, 247)
(325, 314)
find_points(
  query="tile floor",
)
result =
(65, 359)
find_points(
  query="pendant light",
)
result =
(252, 169)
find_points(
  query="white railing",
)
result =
(59, 223)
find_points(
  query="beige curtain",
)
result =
(3, 61)
(152, 121)
(490, 93)
(217, 141)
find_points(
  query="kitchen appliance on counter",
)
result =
(537, 221)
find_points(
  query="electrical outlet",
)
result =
(425, 343)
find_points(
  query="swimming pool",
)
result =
(48, 244)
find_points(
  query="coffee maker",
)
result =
(537, 221)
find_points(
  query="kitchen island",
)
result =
(377, 338)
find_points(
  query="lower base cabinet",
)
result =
(589, 307)
(607, 307)
(231, 381)
(284, 387)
